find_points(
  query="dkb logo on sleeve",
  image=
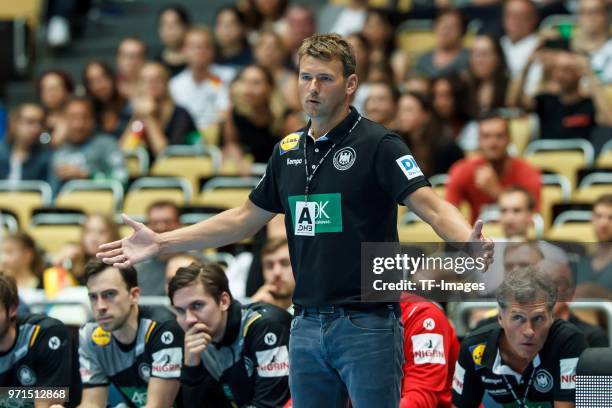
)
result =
(328, 211)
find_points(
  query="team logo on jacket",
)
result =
(290, 142)
(270, 339)
(543, 381)
(167, 337)
(409, 166)
(54, 343)
(26, 375)
(344, 158)
(477, 354)
(100, 337)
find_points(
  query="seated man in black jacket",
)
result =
(235, 355)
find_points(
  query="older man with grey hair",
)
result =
(524, 358)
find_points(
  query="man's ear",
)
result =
(135, 294)
(352, 82)
(225, 301)
(12, 312)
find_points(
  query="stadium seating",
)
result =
(605, 156)
(561, 156)
(146, 190)
(227, 192)
(89, 196)
(555, 189)
(593, 186)
(572, 226)
(191, 162)
(31, 10)
(53, 231)
(8, 224)
(137, 162)
(21, 198)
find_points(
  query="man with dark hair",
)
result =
(241, 350)
(449, 56)
(131, 56)
(136, 348)
(339, 181)
(381, 104)
(481, 180)
(279, 282)
(526, 358)
(162, 216)
(85, 154)
(595, 277)
(22, 157)
(34, 349)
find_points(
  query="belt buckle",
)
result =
(326, 309)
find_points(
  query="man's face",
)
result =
(602, 222)
(278, 273)
(163, 219)
(448, 31)
(592, 16)
(130, 58)
(520, 256)
(519, 19)
(380, 106)
(199, 50)
(493, 139)
(515, 214)
(29, 125)
(194, 305)
(111, 301)
(565, 72)
(526, 327)
(322, 86)
(301, 25)
(80, 122)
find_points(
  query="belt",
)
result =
(345, 309)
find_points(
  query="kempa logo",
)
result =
(344, 158)
(294, 162)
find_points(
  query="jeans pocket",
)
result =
(294, 323)
(372, 321)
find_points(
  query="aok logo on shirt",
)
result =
(328, 211)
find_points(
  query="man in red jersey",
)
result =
(431, 349)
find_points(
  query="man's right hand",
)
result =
(141, 245)
(197, 339)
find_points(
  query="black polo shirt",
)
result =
(480, 368)
(356, 191)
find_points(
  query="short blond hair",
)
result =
(328, 47)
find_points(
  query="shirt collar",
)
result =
(341, 129)
(232, 327)
(492, 357)
(500, 368)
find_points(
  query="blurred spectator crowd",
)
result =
(488, 95)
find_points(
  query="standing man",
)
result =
(338, 181)
(137, 349)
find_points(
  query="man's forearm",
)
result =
(223, 229)
(450, 224)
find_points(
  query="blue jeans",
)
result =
(346, 354)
